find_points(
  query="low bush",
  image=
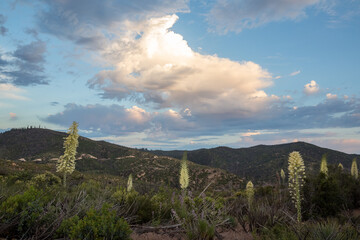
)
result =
(102, 224)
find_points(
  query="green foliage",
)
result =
(139, 205)
(46, 179)
(328, 229)
(103, 224)
(296, 178)
(66, 163)
(328, 196)
(24, 212)
(202, 231)
(278, 232)
(198, 216)
(331, 230)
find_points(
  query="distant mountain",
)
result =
(44, 146)
(260, 163)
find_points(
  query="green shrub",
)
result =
(278, 232)
(198, 216)
(24, 212)
(331, 230)
(328, 196)
(45, 180)
(103, 224)
(202, 231)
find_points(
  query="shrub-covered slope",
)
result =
(262, 162)
(38, 148)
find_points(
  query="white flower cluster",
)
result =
(250, 192)
(66, 162)
(296, 179)
(184, 173)
(323, 166)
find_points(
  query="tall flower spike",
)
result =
(282, 174)
(184, 173)
(66, 162)
(354, 169)
(296, 180)
(323, 166)
(341, 166)
(130, 183)
(250, 192)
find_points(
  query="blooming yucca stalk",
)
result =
(130, 183)
(296, 180)
(354, 169)
(184, 173)
(341, 166)
(323, 166)
(282, 175)
(66, 162)
(250, 192)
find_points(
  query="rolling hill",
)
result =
(260, 163)
(40, 148)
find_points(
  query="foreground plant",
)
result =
(341, 166)
(129, 183)
(66, 162)
(282, 175)
(250, 192)
(354, 169)
(184, 173)
(296, 180)
(323, 166)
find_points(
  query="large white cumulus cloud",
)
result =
(154, 65)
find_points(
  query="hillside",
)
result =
(42, 147)
(261, 162)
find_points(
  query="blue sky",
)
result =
(184, 74)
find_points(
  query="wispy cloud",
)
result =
(9, 91)
(234, 15)
(24, 66)
(3, 30)
(166, 125)
(295, 73)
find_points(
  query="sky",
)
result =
(184, 74)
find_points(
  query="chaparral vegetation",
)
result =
(37, 203)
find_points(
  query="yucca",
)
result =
(323, 166)
(341, 166)
(354, 169)
(184, 173)
(249, 192)
(296, 180)
(282, 175)
(129, 183)
(66, 162)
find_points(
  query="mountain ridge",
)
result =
(256, 163)
(261, 162)
(42, 147)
